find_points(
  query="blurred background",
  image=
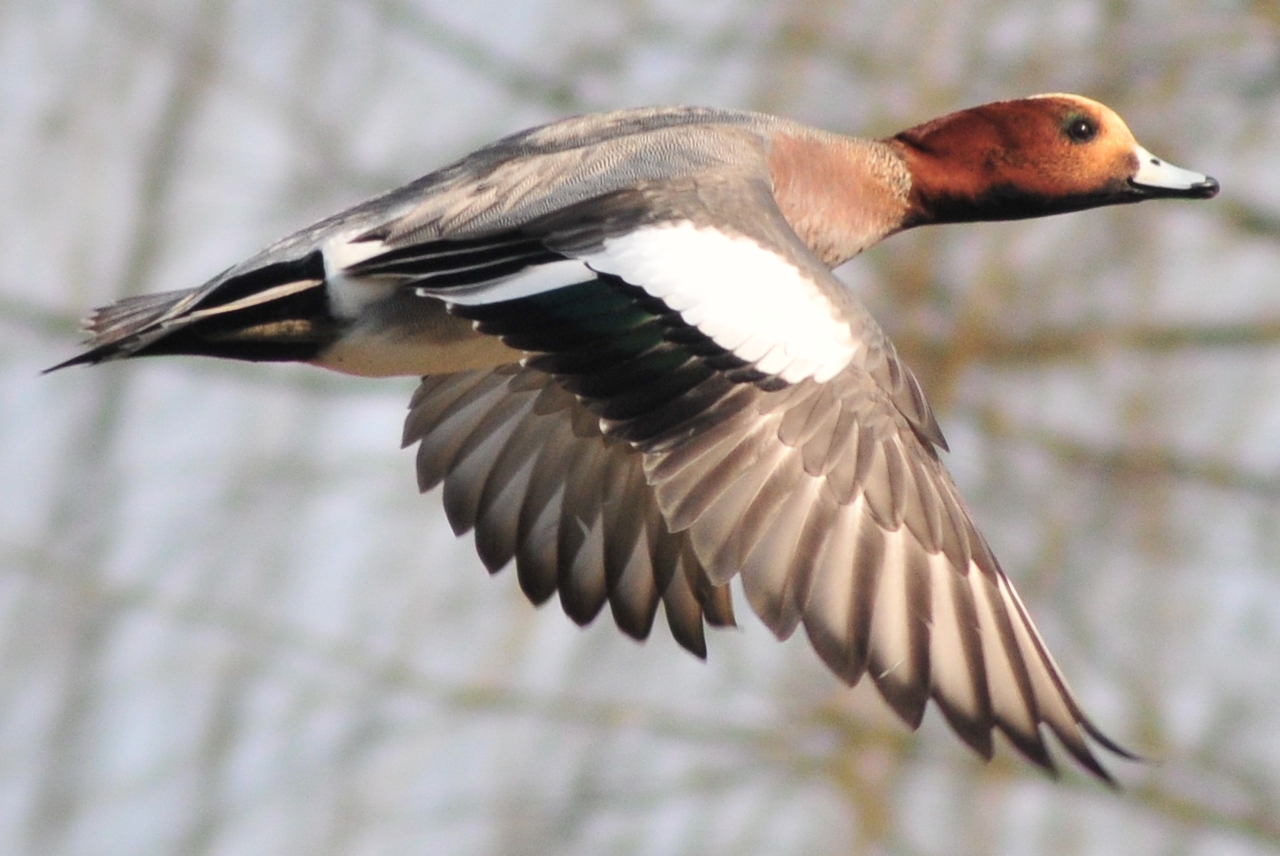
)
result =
(230, 625)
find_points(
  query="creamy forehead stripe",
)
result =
(749, 300)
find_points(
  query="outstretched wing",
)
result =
(527, 467)
(779, 436)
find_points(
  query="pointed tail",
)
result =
(275, 313)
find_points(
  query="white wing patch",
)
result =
(748, 299)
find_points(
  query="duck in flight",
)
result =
(640, 378)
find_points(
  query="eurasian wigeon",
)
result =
(642, 378)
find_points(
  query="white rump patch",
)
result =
(348, 296)
(749, 300)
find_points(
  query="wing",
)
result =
(838, 517)
(778, 433)
(526, 467)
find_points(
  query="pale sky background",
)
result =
(230, 625)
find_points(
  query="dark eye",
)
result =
(1081, 129)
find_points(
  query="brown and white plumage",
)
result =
(642, 379)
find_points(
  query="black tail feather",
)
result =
(278, 313)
